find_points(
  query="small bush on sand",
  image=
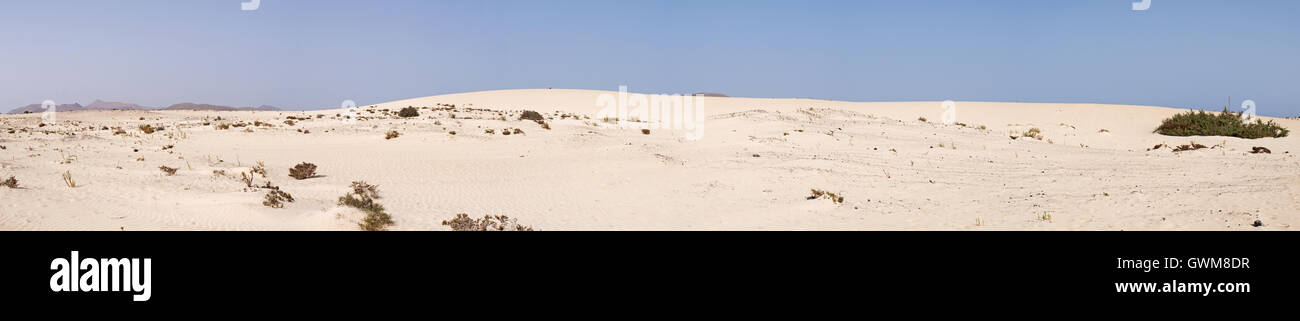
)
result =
(277, 198)
(167, 170)
(147, 129)
(10, 183)
(1253, 150)
(922, 119)
(816, 193)
(1192, 146)
(645, 132)
(531, 115)
(1226, 123)
(303, 171)
(1034, 133)
(409, 112)
(462, 222)
(392, 134)
(363, 197)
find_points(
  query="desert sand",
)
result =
(754, 168)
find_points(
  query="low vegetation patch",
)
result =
(531, 115)
(148, 129)
(392, 134)
(11, 182)
(409, 112)
(303, 171)
(167, 170)
(1226, 123)
(276, 198)
(1192, 146)
(363, 197)
(1253, 150)
(463, 222)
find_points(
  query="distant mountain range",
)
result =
(193, 106)
(108, 105)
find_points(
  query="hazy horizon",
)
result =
(315, 54)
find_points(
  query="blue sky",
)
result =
(317, 53)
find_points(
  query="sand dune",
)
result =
(753, 169)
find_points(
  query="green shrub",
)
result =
(1226, 123)
(363, 197)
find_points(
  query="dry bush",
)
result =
(277, 198)
(816, 193)
(531, 115)
(463, 222)
(546, 125)
(148, 129)
(10, 183)
(1253, 150)
(67, 179)
(489, 131)
(392, 134)
(1034, 133)
(409, 112)
(168, 170)
(453, 133)
(260, 169)
(645, 132)
(517, 131)
(922, 119)
(1192, 146)
(303, 171)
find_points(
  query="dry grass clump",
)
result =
(276, 198)
(922, 119)
(67, 179)
(1253, 150)
(463, 222)
(1034, 133)
(645, 132)
(11, 182)
(148, 129)
(363, 197)
(260, 169)
(303, 171)
(816, 193)
(1226, 123)
(167, 170)
(409, 112)
(392, 134)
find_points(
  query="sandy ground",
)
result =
(753, 169)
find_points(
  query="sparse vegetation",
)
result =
(67, 179)
(167, 170)
(1226, 123)
(11, 182)
(463, 222)
(1192, 146)
(303, 171)
(276, 198)
(392, 134)
(922, 119)
(148, 129)
(1260, 150)
(409, 112)
(645, 132)
(260, 169)
(363, 197)
(816, 193)
(1034, 133)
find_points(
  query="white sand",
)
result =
(583, 177)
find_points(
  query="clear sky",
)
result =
(317, 53)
